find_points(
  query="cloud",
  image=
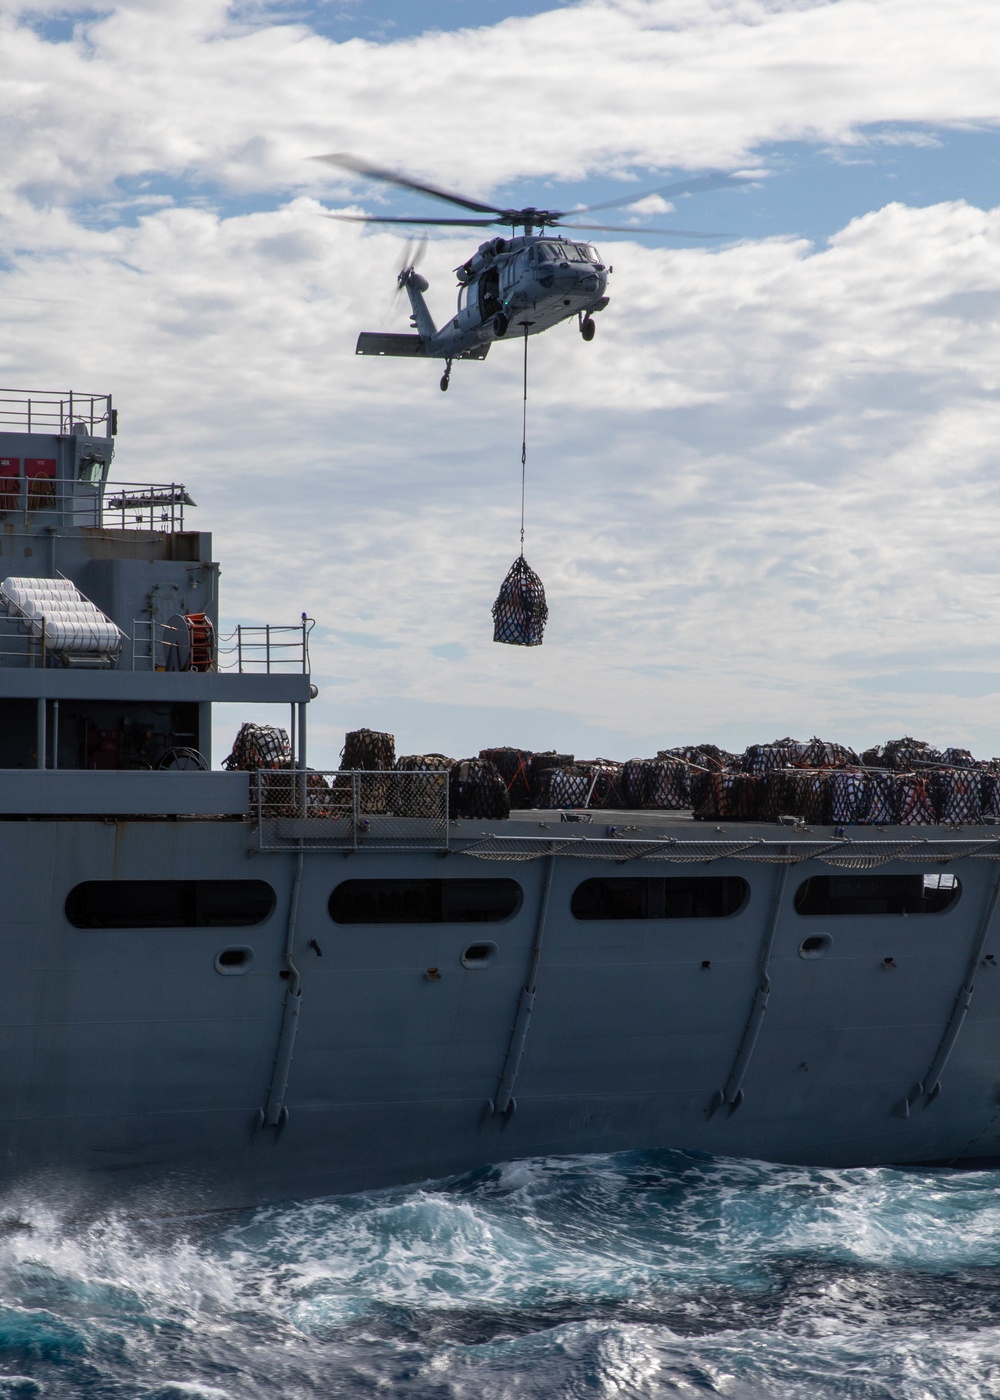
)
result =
(200, 89)
(762, 500)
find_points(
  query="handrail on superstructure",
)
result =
(58, 411)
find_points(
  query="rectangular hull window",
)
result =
(169, 903)
(639, 897)
(826, 896)
(425, 901)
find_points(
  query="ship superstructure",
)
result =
(274, 982)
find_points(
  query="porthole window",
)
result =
(833, 895)
(233, 962)
(169, 903)
(424, 901)
(479, 954)
(665, 897)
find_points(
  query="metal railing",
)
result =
(267, 648)
(350, 811)
(56, 411)
(152, 508)
(141, 505)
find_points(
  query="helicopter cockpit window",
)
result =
(579, 252)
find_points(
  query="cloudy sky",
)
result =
(764, 500)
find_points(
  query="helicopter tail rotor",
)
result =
(413, 255)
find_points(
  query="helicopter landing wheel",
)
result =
(588, 328)
(500, 324)
(446, 378)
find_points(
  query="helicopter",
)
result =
(525, 282)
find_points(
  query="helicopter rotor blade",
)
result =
(375, 219)
(640, 228)
(717, 181)
(392, 177)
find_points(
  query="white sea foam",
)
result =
(635, 1275)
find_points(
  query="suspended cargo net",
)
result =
(520, 611)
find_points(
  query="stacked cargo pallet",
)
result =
(904, 782)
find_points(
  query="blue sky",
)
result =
(763, 500)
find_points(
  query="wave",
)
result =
(646, 1275)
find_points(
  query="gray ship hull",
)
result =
(129, 1060)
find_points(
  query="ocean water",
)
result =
(654, 1274)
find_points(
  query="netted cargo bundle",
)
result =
(370, 751)
(901, 755)
(539, 762)
(563, 787)
(821, 753)
(520, 611)
(258, 746)
(882, 795)
(795, 792)
(296, 792)
(761, 759)
(668, 784)
(990, 796)
(958, 758)
(413, 794)
(605, 776)
(708, 756)
(958, 793)
(848, 791)
(632, 783)
(512, 765)
(478, 791)
(730, 795)
(915, 800)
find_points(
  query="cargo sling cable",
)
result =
(520, 611)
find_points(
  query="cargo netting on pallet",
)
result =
(370, 751)
(905, 782)
(258, 746)
(478, 791)
(520, 611)
(512, 765)
(415, 798)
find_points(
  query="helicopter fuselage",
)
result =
(513, 285)
(510, 286)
